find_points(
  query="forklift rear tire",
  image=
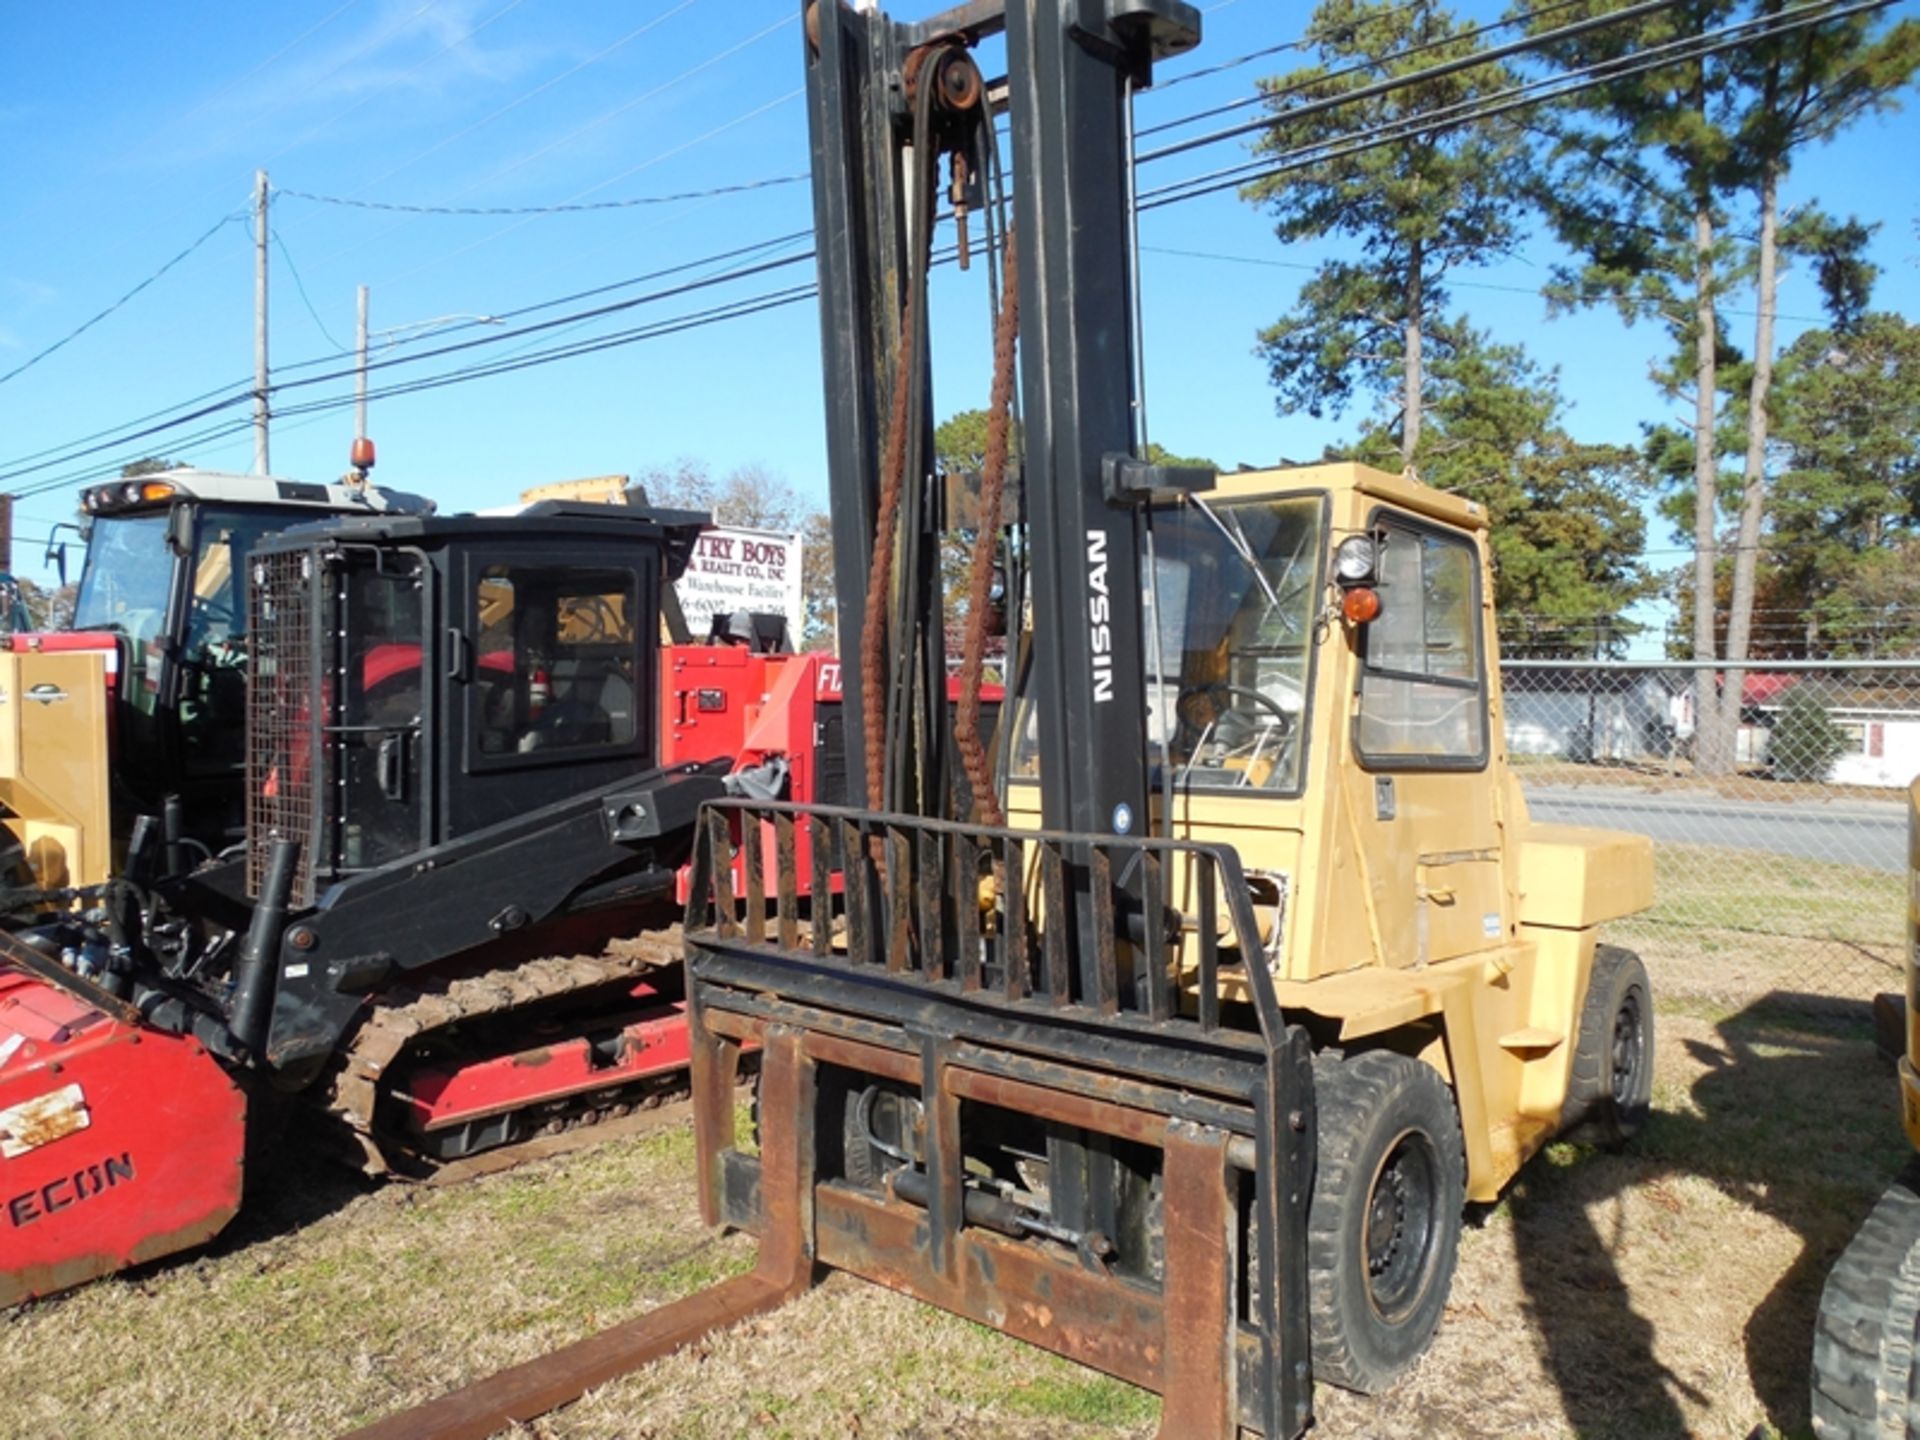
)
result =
(1866, 1379)
(1383, 1226)
(1610, 1091)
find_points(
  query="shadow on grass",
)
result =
(293, 1180)
(1790, 1117)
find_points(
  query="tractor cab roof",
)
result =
(168, 487)
(563, 521)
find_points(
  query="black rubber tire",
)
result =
(1866, 1382)
(1389, 1143)
(1610, 1091)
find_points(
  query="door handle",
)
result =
(459, 653)
(390, 765)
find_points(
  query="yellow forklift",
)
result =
(1172, 1026)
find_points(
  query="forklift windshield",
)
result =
(1230, 599)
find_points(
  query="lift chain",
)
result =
(993, 475)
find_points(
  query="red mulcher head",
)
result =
(118, 1144)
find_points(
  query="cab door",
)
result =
(1420, 800)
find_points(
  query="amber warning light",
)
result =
(1360, 604)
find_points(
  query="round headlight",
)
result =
(1354, 561)
(130, 492)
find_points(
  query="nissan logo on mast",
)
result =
(1099, 615)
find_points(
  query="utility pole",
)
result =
(6, 534)
(360, 375)
(261, 461)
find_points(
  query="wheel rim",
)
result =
(1629, 1048)
(1402, 1226)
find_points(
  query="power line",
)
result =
(242, 397)
(300, 286)
(1392, 83)
(240, 390)
(537, 90)
(1486, 107)
(1268, 262)
(766, 183)
(1358, 67)
(82, 329)
(335, 116)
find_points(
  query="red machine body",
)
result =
(118, 1144)
(728, 700)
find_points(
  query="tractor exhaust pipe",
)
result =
(173, 827)
(256, 971)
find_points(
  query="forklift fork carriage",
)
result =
(954, 979)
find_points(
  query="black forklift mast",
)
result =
(1073, 67)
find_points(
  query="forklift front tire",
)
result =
(1383, 1226)
(1610, 1091)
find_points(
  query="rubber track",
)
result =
(407, 1012)
(1864, 1376)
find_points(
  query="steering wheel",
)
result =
(1225, 716)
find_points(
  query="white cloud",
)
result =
(405, 60)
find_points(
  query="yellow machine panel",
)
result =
(53, 764)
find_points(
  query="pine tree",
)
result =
(1418, 211)
(1645, 173)
(1843, 546)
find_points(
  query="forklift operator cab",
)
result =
(1320, 694)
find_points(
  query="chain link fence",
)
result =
(1781, 869)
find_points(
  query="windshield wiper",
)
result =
(1240, 547)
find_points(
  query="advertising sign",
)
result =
(738, 569)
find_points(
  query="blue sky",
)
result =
(130, 130)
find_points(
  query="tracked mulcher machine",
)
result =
(453, 798)
(1181, 1053)
(1866, 1345)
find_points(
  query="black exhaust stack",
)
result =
(256, 971)
(173, 826)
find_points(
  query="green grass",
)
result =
(1749, 892)
(1095, 1400)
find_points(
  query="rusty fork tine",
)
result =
(784, 1271)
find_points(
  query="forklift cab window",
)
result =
(555, 656)
(1422, 699)
(1230, 601)
(1229, 610)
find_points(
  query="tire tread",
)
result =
(1348, 1091)
(1864, 1342)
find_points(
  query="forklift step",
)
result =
(1532, 1041)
